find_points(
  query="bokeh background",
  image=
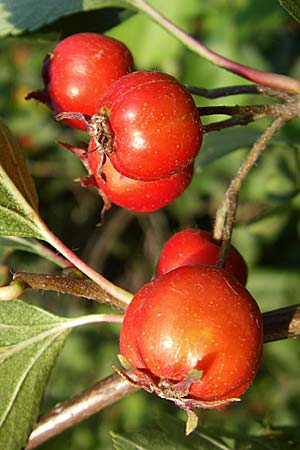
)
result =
(126, 247)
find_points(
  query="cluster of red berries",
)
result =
(194, 333)
(144, 125)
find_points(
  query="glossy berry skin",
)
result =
(191, 246)
(156, 125)
(195, 317)
(79, 70)
(136, 195)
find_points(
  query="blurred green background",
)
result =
(126, 247)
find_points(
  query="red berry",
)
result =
(155, 125)
(136, 195)
(194, 317)
(79, 70)
(188, 247)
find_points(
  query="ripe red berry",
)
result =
(79, 70)
(191, 246)
(194, 319)
(136, 195)
(156, 128)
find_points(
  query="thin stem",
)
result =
(266, 110)
(228, 123)
(68, 285)
(223, 91)
(238, 90)
(272, 80)
(279, 324)
(226, 213)
(241, 115)
(115, 291)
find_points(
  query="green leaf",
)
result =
(169, 434)
(22, 244)
(14, 164)
(27, 245)
(200, 439)
(30, 341)
(220, 143)
(147, 440)
(18, 16)
(18, 198)
(293, 8)
(279, 438)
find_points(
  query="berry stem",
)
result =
(118, 293)
(225, 216)
(279, 324)
(272, 80)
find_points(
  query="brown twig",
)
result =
(238, 90)
(68, 285)
(241, 115)
(279, 324)
(282, 323)
(226, 213)
(78, 408)
(224, 91)
(266, 110)
(228, 123)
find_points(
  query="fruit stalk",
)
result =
(113, 290)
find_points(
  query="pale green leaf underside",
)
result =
(17, 16)
(30, 341)
(17, 218)
(22, 244)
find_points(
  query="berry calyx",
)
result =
(155, 123)
(79, 70)
(191, 246)
(193, 335)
